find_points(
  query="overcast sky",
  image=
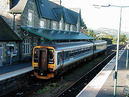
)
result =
(101, 17)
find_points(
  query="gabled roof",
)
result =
(6, 33)
(57, 34)
(50, 10)
(47, 9)
(44, 9)
(70, 16)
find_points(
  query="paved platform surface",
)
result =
(102, 84)
(10, 68)
(7, 72)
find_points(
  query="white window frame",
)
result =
(27, 46)
(61, 24)
(48, 24)
(54, 25)
(78, 26)
(67, 27)
(71, 27)
(43, 23)
(74, 28)
(30, 18)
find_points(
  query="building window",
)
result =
(74, 28)
(61, 24)
(43, 23)
(71, 28)
(54, 25)
(30, 18)
(78, 26)
(67, 27)
(48, 24)
(27, 46)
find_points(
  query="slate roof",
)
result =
(6, 33)
(57, 34)
(50, 10)
(45, 10)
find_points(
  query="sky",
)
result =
(104, 17)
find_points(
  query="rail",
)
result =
(77, 86)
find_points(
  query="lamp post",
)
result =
(118, 39)
(127, 56)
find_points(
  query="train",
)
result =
(50, 59)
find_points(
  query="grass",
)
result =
(47, 88)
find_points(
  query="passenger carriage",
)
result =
(49, 59)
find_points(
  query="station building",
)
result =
(36, 21)
(9, 41)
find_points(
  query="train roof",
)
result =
(66, 44)
(96, 41)
(100, 41)
(71, 45)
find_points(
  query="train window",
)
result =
(51, 56)
(59, 58)
(65, 55)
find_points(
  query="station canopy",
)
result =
(56, 34)
(6, 33)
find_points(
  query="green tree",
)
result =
(90, 33)
(123, 39)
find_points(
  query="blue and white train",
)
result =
(51, 59)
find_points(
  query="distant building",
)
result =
(36, 21)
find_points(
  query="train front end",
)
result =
(43, 62)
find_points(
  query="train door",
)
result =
(43, 60)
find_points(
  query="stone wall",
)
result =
(24, 17)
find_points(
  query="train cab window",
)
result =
(36, 55)
(51, 56)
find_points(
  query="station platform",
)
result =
(7, 72)
(103, 84)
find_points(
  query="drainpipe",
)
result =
(14, 16)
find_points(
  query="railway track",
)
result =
(35, 84)
(77, 86)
